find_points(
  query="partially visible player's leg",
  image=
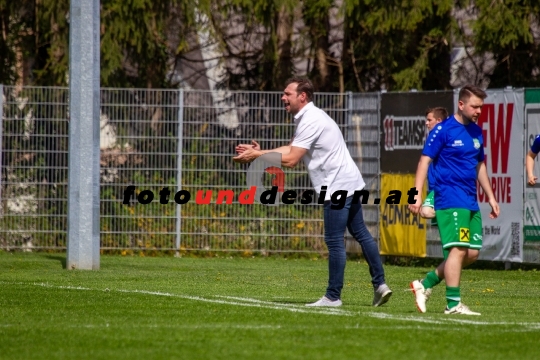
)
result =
(475, 242)
(456, 240)
(335, 223)
(435, 277)
(422, 288)
(370, 250)
(452, 271)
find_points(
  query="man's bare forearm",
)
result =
(529, 164)
(282, 150)
(483, 180)
(421, 173)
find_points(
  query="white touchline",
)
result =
(449, 320)
(331, 309)
(404, 318)
(249, 302)
(225, 302)
(187, 326)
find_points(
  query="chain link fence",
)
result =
(363, 141)
(165, 141)
(33, 191)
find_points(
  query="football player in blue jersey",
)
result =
(456, 150)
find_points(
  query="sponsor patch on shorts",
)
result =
(464, 234)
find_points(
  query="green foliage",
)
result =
(393, 45)
(505, 29)
(504, 24)
(397, 45)
(52, 42)
(263, 47)
(134, 40)
(11, 27)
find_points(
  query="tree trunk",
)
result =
(284, 30)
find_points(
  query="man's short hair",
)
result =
(303, 85)
(439, 112)
(467, 91)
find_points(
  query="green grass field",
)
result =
(238, 308)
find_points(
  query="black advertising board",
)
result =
(403, 127)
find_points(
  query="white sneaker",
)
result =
(420, 295)
(382, 295)
(460, 309)
(324, 301)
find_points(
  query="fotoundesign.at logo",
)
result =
(266, 165)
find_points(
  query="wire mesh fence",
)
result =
(171, 142)
(363, 141)
(164, 141)
(34, 168)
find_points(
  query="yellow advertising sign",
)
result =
(401, 231)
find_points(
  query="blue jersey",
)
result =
(456, 150)
(535, 148)
(430, 179)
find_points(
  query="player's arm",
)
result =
(529, 166)
(293, 157)
(240, 148)
(282, 150)
(289, 158)
(421, 174)
(483, 180)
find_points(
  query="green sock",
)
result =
(431, 280)
(452, 296)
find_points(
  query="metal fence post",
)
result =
(84, 153)
(349, 115)
(179, 168)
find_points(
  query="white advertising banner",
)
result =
(502, 124)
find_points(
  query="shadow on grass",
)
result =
(293, 302)
(60, 258)
(478, 265)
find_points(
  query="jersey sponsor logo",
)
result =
(457, 143)
(464, 234)
(404, 132)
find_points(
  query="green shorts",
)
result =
(430, 202)
(459, 228)
(430, 199)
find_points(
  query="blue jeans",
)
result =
(335, 222)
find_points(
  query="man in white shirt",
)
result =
(319, 142)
